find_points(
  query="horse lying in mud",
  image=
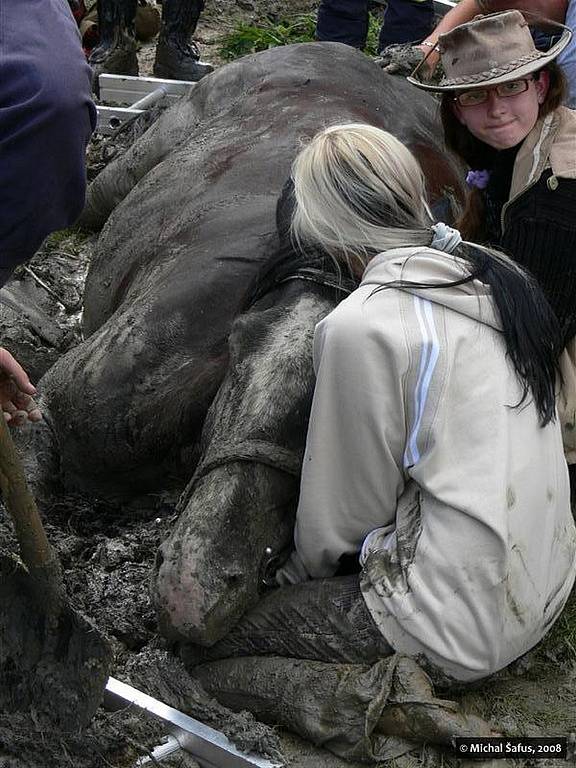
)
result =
(175, 340)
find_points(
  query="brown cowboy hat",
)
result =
(490, 50)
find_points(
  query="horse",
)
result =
(192, 376)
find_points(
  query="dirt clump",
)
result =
(107, 556)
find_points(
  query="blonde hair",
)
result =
(358, 191)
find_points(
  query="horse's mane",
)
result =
(291, 261)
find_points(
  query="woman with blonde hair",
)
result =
(433, 456)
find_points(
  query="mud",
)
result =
(107, 555)
(38, 323)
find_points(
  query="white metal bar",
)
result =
(125, 89)
(138, 92)
(151, 99)
(170, 746)
(209, 747)
(111, 118)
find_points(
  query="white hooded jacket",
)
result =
(417, 456)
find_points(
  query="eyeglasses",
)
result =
(504, 90)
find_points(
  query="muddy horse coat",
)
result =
(172, 328)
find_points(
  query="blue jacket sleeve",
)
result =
(46, 118)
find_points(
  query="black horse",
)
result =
(191, 304)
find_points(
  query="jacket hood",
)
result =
(427, 265)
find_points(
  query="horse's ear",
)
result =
(444, 175)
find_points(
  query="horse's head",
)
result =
(238, 512)
(213, 566)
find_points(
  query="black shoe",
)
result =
(179, 62)
(118, 59)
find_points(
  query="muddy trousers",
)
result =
(310, 657)
(179, 18)
(324, 619)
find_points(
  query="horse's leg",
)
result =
(239, 511)
(116, 51)
(177, 57)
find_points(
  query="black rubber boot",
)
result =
(115, 54)
(177, 57)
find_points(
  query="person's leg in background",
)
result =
(177, 56)
(116, 50)
(343, 21)
(406, 21)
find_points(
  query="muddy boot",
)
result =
(416, 714)
(177, 57)
(357, 711)
(115, 54)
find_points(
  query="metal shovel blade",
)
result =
(51, 657)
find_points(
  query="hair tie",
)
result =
(445, 238)
(478, 179)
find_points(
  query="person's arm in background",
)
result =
(465, 11)
(46, 119)
(462, 12)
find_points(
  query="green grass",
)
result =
(72, 239)
(246, 38)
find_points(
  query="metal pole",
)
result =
(150, 98)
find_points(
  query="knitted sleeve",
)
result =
(540, 234)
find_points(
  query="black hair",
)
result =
(529, 326)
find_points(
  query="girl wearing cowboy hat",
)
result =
(561, 11)
(502, 114)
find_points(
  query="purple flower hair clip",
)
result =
(478, 179)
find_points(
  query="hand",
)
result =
(401, 59)
(16, 392)
(432, 57)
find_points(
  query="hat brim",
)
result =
(514, 74)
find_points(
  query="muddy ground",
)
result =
(107, 553)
